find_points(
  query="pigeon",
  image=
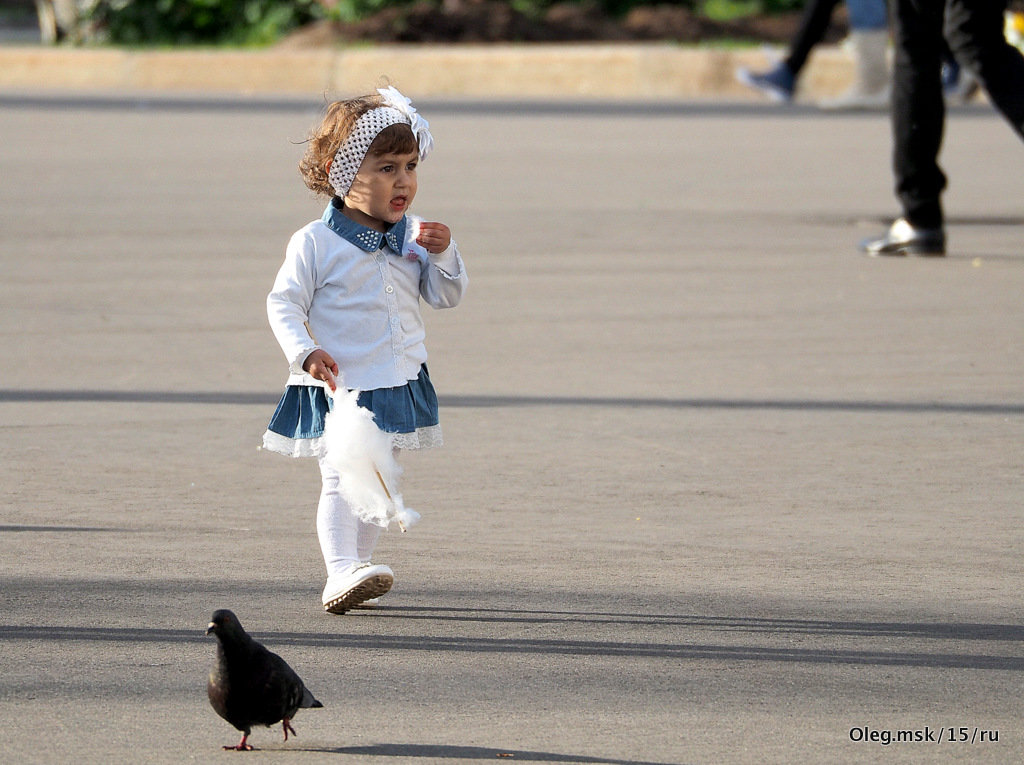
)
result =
(250, 685)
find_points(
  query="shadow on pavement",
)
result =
(486, 401)
(678, 651)
(451, 752)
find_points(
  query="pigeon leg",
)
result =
(286, 725)
(242, 746)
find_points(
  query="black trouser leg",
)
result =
(974, 29)
(813, 25)
(918, 109)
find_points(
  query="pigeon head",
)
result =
(226, 627)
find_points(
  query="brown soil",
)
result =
(487, 21)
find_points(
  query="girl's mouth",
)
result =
(398, 203)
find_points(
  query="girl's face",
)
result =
(382, 190)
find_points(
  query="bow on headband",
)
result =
(420, 127)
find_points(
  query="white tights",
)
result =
(345, 541)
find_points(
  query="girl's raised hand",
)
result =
(434, 237)
(320, 366)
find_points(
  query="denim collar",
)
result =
(361, 236)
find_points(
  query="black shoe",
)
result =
(958, 86)
(905, 239)
(778, 83)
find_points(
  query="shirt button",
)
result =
(389, 289)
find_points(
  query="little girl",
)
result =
(345, 310)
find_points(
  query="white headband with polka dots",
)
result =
(397, 110)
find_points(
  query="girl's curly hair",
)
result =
(328, 135)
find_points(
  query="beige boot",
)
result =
(870, 89)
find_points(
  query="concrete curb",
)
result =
(656, 71)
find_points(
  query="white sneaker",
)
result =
(365, 582)
(856, 99)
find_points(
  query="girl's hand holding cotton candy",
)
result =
(320, 366)
(434, 237)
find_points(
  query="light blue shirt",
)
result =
(358, 292)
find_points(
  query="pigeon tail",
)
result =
(308, 702)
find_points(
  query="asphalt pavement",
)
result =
(717, 488)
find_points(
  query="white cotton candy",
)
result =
(403, 516)
(364, 457)
(412, 250)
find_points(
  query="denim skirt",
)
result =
(408, 411)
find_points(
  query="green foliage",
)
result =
(155, 22)
(353, 10)
(258, 22)
(729, 10)
(782, 6)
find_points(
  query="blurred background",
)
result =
(594, 48)
(254, 22)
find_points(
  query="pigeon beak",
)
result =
(210, 627)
